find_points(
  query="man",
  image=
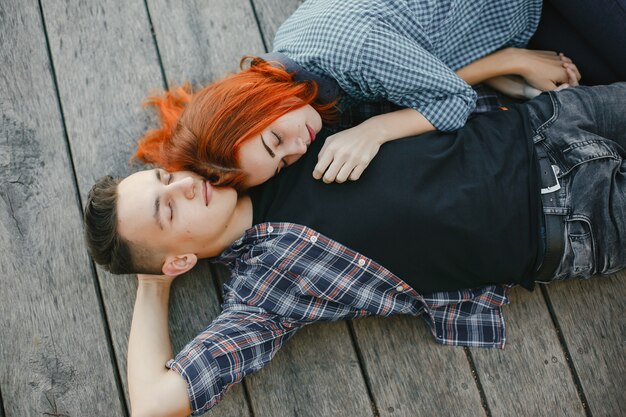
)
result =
(434, 214)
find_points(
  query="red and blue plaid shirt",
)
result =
(285, 276)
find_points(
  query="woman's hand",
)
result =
(517, 87)
(546, 70)
(346, 154)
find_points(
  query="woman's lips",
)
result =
(311, 133)
(207, 192)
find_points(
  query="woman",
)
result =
(419, 56)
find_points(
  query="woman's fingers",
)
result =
(344, 173)
(573, 77)
(568, 63)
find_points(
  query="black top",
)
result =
(442, 211)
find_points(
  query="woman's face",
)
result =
(281, 144)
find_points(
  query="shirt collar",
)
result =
(328, 88)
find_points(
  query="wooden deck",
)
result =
(72, 75)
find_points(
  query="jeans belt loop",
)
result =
(554, 224)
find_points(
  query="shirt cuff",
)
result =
(204, 383)
(448, 113)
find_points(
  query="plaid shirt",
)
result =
(285, 276)
(405, 52)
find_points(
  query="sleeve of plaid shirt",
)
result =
(403, 72)
(240, 341)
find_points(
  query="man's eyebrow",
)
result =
(157, 203)
(267, 148)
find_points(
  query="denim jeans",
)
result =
(583, 130)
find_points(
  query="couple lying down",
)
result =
(438, 225)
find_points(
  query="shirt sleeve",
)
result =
(240, 341)
(400, 70)
(471, 317)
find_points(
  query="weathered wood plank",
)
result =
(202, 41)
(107, 63)
(316, 374)
(272, 13)
(409, 374)
(530, 377)
(54, 351)
(1, 406)
(592, 317)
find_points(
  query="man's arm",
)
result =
(154, 390)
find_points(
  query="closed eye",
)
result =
(267, 148)
(278, 138)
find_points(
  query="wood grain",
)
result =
(202, 41)
(530, 377)
(410, 374)
(53, 350)
(108, 62)
(592, 317)
(271, 14)
(316, 374)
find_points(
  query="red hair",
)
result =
(203, 132)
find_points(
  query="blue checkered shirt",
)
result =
(406, 51)
(285, 276)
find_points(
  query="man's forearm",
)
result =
(154, 390)
(149, 344)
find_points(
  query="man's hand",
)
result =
(346, 154)
(546, 70)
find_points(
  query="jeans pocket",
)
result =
(581, 244)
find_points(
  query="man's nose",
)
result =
(185, 185)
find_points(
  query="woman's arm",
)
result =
(346, 154)
(154, 390)
(521, 73)
(513, 86)
(543, 70)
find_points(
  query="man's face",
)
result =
(176, 212)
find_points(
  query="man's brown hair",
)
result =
(106, 246)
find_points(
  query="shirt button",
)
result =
(361, 262)
(270, 229)
(313, 239)
(400, 288)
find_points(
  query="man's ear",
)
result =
(177, 265)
